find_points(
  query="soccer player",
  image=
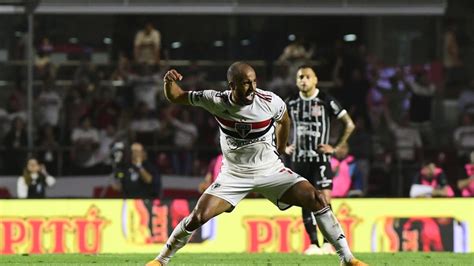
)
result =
(249, 119)
(311, 111)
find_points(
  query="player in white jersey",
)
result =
(254, 127)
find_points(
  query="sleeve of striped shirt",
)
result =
(278, 107)
(207, 99)
(336, 108)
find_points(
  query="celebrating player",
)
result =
(249, 120)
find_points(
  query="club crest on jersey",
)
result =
(316, 110)
(243, 129)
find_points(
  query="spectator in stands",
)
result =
(421, 104)
(138, 178)
(49, 104)
(86, 78)
(32, 184)
(15, 143)
(48, 147)
(464, 136)
(108, 136)
(145, 86)
(105, 110)
(185, 136)
(85, 141)
(466, 185)
(347, 176)
(144, 125)
(43, 65)
(294, 55)
(213, 171)
(453, 65)
(76, 107)
(296, 51)
(16, 101)
(282, 82)
(147, 44)
(408, 147)
(430, 182)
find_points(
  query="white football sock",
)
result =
(332, 231)
(177, 240)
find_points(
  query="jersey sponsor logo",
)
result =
(234, 143)
(215, 186)
(243, 129)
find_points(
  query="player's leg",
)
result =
(326, 248)
(306, 170)
(208, 206)
(304, 194)
(324, 182)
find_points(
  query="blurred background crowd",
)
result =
(407, 82)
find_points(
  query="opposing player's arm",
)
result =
(282, 132)
(348, 129)
(173, 91)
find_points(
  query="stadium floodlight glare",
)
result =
(73, 40)
(291, 37)
(245, 42)
(218, 43)
(350, 37)
(107, 40)
(175, 45)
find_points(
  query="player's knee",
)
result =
(199, 217)
(320, 200)
(308, 198)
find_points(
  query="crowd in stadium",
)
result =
(394, 108)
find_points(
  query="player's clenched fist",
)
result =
(172, 75)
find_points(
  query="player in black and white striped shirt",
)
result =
(311, 112)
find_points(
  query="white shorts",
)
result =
(233, 189)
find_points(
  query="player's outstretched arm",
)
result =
(173, 91)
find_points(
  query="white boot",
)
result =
(328, 249)
(313, 250)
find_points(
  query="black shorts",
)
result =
(318, 173)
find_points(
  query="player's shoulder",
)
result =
(324, 95)
(293, 98)
(267, 97)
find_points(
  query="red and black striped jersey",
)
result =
(247, 133)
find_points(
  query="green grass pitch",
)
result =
(240, 259)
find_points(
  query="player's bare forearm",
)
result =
(173, 91)
(282, 133)
(348, 129)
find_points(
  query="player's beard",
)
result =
(246, 99)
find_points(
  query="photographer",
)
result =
(138, 178)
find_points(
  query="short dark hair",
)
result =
(235, 69)
(305, 66)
